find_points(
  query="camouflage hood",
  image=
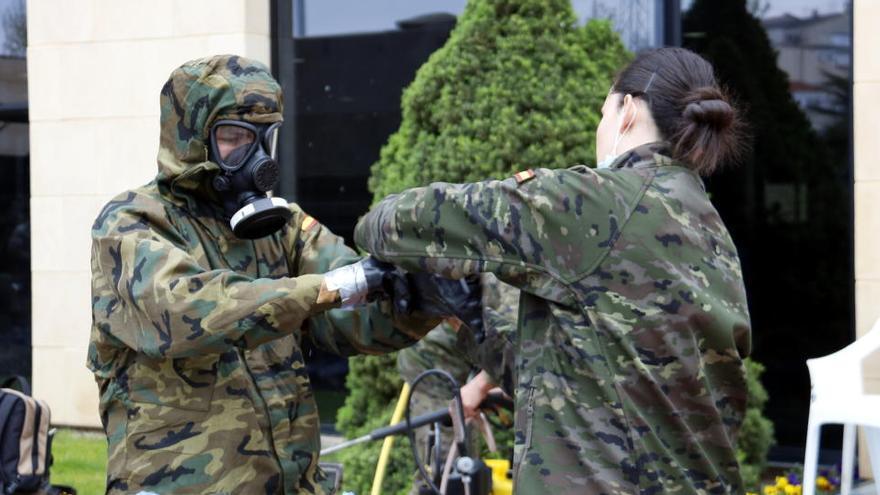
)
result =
(199, 93)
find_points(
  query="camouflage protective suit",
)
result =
(196, 338)
(633, 318)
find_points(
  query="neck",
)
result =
(637, 137)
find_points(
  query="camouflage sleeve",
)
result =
(173, 306)
(495, 355)
(459, 229)
(439, 349)
(452, 230)
(539, 231)
(372, 329)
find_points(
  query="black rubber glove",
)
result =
(380, 277)
(442, 297)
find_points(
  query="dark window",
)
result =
(347, 102)
(15, 275)
(789, 204)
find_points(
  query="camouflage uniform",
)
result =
(196, 337)
(459, 354)
(495, 355)
(633, 318)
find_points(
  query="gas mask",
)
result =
(245, 153)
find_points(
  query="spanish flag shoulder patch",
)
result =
(524, 176)
(308, 223)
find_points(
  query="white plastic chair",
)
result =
(838, 397)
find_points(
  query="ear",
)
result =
(629, 111)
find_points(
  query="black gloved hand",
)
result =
(442, 297)
(381, 277)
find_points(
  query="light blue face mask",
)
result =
(606, 163)
(610, 157)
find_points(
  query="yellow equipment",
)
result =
(501, 484)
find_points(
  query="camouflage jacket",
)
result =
(459, 354)
(195, 344)
(633, 317)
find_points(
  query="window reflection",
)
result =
(639, 22)
(342, 17)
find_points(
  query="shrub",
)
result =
(517, 85)
(756, 433)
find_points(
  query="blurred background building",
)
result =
(79, 123)
(814, 51)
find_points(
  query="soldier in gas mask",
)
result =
(203, 287)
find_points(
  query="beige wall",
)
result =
(95, 70)
(866, 39)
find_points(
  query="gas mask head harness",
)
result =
(245, 153)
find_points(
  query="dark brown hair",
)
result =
(691, 111)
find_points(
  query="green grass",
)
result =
(80, 461)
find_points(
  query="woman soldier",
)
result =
(633, 322)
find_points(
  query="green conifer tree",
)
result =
(517, 85)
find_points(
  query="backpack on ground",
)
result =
(25, 441)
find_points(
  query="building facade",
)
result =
(95, 69)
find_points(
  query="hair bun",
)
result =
(717, 113)
(708, 106)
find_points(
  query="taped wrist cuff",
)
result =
(351, 282)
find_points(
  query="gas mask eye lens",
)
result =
(270, 139)
(233, 144)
